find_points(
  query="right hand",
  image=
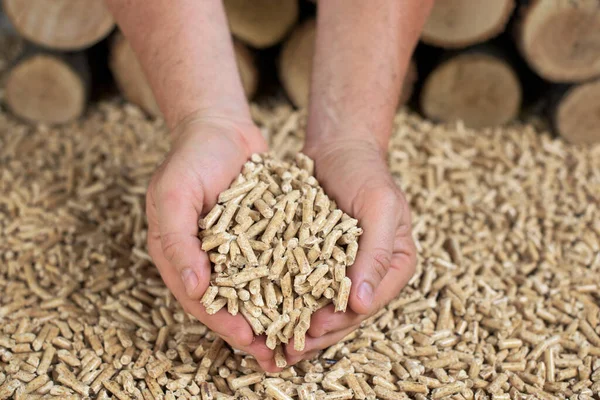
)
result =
(207, 153)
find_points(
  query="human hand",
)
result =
(207, 153)
(354, 173)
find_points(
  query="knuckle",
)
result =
(170, 245)
(386, 196)
(167, 193)
(152, 248)
(381, 263)
(164, 184)
(155, 181)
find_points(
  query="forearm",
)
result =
(362, 52)
(186, 53)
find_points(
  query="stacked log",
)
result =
(560, 39)
(460, 23)
(486, 50)
(477, 87)
(576, 114)
(48, 87)
(60, 24)
(50, 81)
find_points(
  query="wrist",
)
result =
(323, 148)
(325, 128)
(238, 129)
(318, 143)
(211, 114)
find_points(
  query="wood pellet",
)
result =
(271, 268)
(504, 303)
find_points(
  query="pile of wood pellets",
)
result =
(504, 304)
(302, 256)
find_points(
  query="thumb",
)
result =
(378, 215)
(175, 212)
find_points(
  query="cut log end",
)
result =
(561, 40)
(44, 88)
(461, 23)
(295, 66)
(261, 23)
(577, 116)
(60, 24)
(479, 89)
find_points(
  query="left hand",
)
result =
(355, 174)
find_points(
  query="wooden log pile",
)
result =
(475, 62)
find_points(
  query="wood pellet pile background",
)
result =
(505, 301)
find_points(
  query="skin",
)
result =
(362, 52)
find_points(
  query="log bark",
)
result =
(44, 87)
(456, 24)
(576, 114)
(560, 39)
(261, 23)
(295, 66)
(478, 87)
(134, 86)
(60, 24)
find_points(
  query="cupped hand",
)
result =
(207, 153)
(355, 174)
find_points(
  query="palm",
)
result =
(356, 176)
(203, 161)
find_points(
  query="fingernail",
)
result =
(190, 280)
(365, 293)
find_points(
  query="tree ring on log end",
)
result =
(479, 89)
(578, 114)
(60, 24)
(45, 89)
(562, 43)
(461, 23)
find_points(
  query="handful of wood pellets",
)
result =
(279, 249)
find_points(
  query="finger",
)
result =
(327, 320)
(401, 270)
(316, 344)
(307, 356)
(175, 209)
(263, 355)
(234, 329)
(379, 221)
